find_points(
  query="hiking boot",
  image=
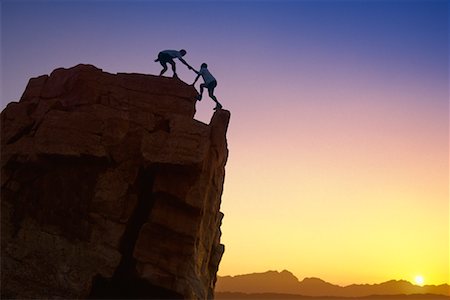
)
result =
(218, 106)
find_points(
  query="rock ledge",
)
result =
(110, 188)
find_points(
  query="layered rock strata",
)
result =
(110, 188)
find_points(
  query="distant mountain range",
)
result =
(286, 283)
(271, 296)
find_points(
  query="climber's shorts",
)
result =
(164, 58)
(211, 85)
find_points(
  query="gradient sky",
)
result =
(339, 146)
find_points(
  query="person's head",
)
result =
(183, 52)
(204, 65)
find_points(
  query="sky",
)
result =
(339, 132)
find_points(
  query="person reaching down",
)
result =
(167, 56)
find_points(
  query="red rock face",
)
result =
(110, 188)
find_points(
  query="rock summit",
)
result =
(110, 188)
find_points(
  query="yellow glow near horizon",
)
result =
(419, 280)
(358, 198)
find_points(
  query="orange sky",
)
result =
(361, 197)
(346, 180)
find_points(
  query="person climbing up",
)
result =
(167, 56)
(210, 84)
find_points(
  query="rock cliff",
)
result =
(110, 188)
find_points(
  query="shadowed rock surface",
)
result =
(110, 188)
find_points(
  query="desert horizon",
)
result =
(411, 281)
(284, 282)
(239, 296)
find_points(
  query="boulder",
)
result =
(110, 188)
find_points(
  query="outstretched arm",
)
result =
(184, 62)
(196, 78)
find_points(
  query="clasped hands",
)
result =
(191, 68)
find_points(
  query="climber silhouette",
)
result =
(167, 56)
(210, 84)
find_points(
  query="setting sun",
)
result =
(419, 280)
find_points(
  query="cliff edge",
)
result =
(110, 188)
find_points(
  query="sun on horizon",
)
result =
(419, 280)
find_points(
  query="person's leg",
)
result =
(211, 88)
(211, 94)
(163, 59)
(202, 86)
(172, 63)
(164, 65)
